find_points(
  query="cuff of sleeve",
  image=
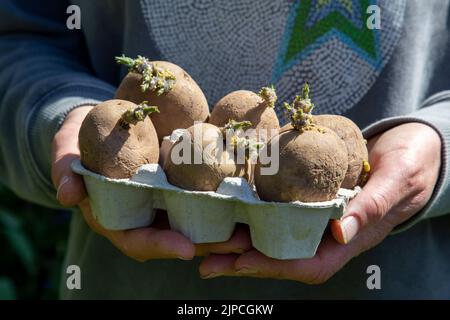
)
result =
(46, 118)
(431, 116)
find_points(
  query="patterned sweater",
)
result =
(378, 74)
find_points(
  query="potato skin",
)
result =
(111, 150)
(349, 132)
(179, 108)
(244, 105)
(208, 175)
(286, 127)
(312, 166)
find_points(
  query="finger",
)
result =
(239, 242)
(144, 243)
(70, 186)
(330, 257)
(380, 194)
(217, 265)
(149, 243)
(89, 217)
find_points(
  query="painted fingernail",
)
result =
(64, 181)
(349, 226)
(246, 270)
(212, 275)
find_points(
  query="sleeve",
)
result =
(435, 112)
(45, 74)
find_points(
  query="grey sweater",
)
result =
(377, 77)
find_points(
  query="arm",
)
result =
(45, 74)
(46, 90)
(435, 113)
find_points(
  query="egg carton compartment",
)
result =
(279, 230)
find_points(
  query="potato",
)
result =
(117, 137)
(357, 152)
(312, 166)
(244, 105)
(214, 167)
(180, 100)
(312, 161)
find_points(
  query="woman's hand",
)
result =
(405, 164)
(154, 242)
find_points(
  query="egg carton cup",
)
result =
(279, 230)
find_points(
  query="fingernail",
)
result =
(213, 275)
(246, 270)
(185, 258)
(349, 226)
(239, 251)
(64, 180)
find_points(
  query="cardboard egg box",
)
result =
(279, 230)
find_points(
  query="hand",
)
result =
(155, 242)
(405, 164)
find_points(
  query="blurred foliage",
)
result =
(32, 245)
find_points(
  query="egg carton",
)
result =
(279, 230)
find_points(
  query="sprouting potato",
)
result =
(355, 143)
(312, 161)
(117, 137)
(216, 161)
(180, 100)
(244, 105)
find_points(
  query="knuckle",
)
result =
(412, 175)
(416, 182)
(378, 206)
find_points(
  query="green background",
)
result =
(32, 245)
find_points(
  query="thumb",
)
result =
(376, 199)
(70, 187)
